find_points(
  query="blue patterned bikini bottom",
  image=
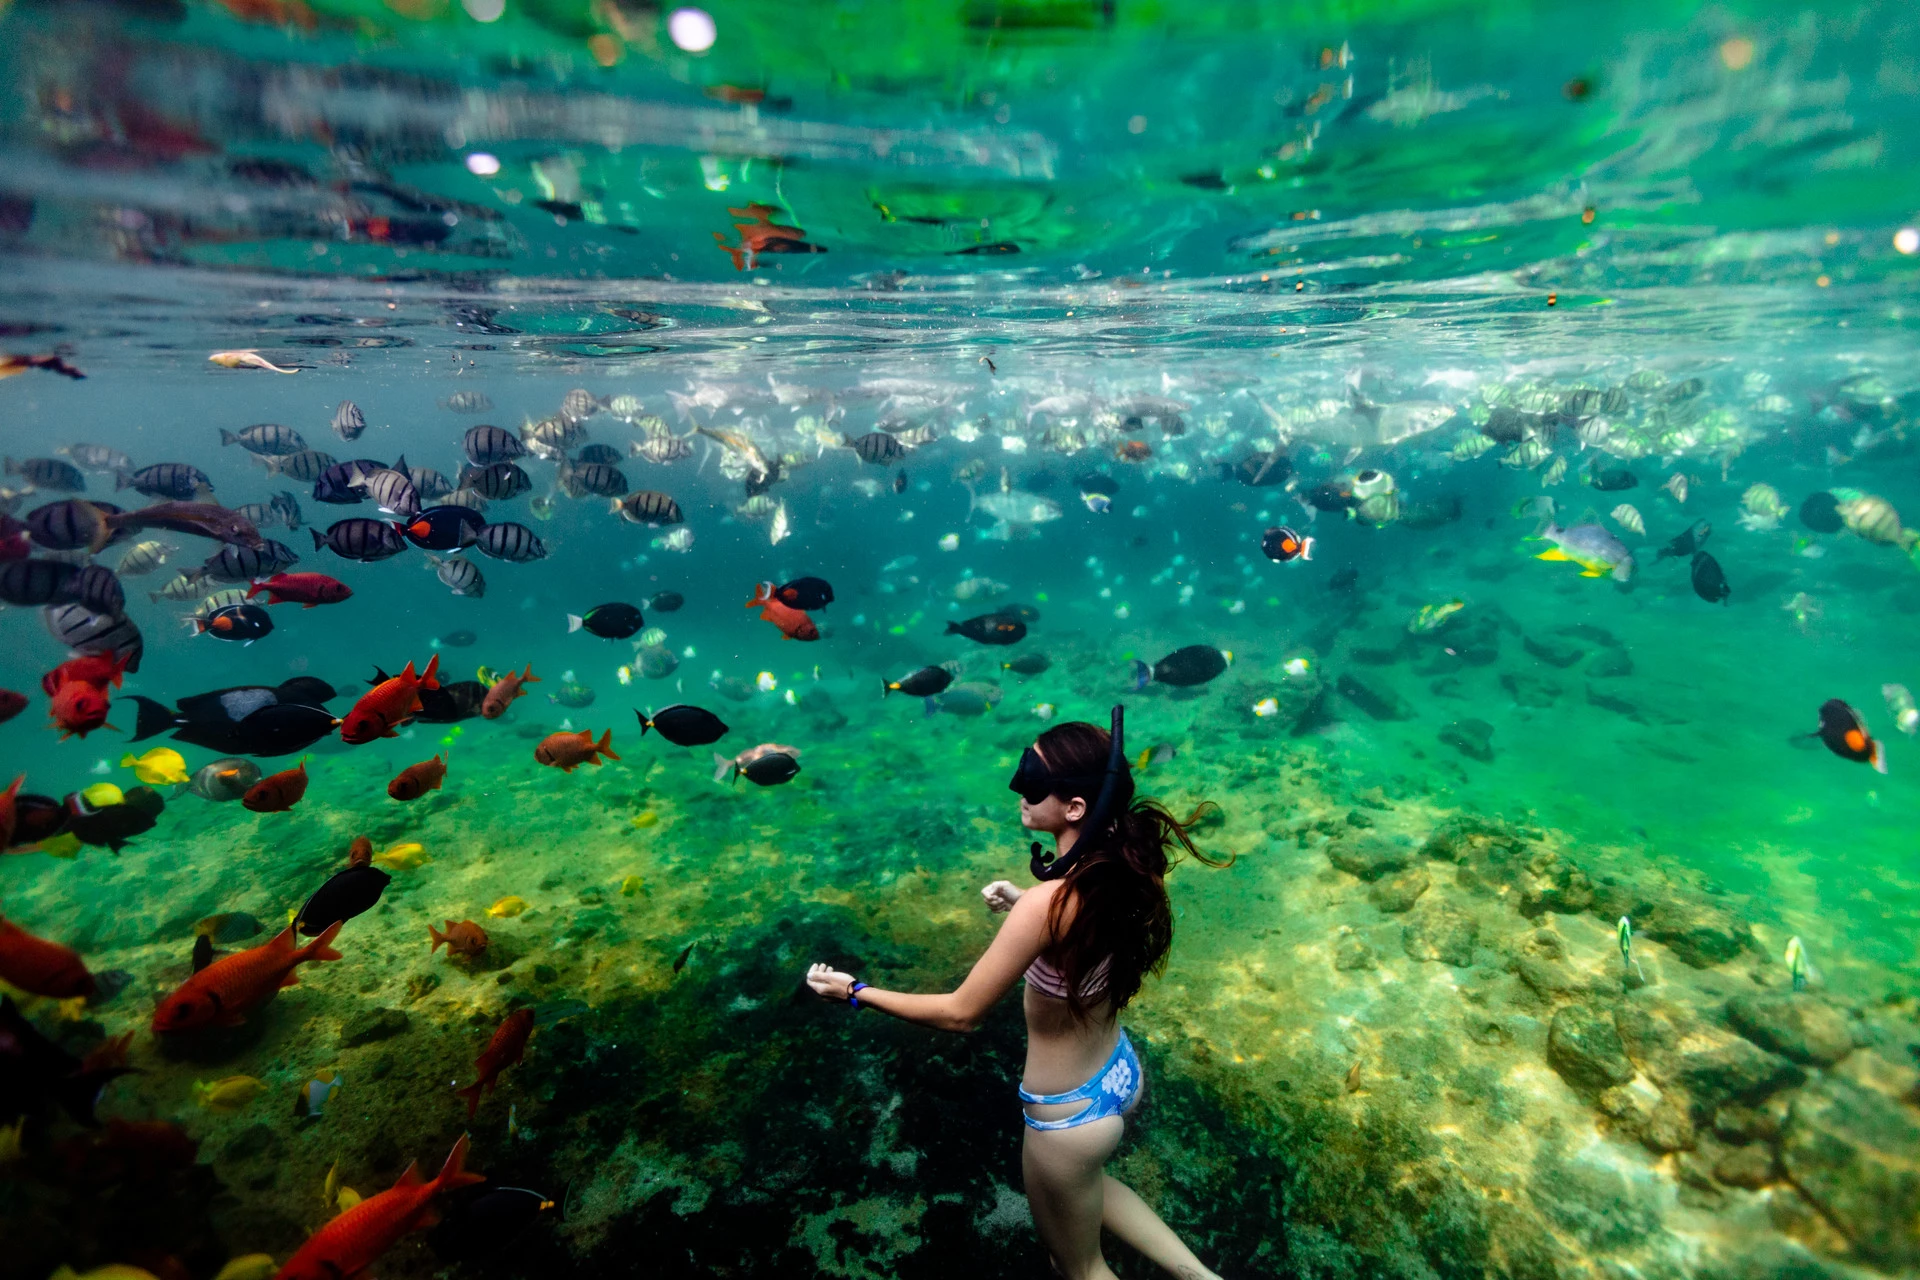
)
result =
(1111, 1092)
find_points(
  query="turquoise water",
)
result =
(1081, 263)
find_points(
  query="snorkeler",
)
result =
(1085, 936)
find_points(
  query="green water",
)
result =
(1490, 251)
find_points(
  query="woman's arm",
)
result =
(1020, 941)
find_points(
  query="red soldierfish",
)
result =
(793, 624)
(566, 751)
(391, 702)
(305, 589)
(505, 1050)
(78, 708)
(278, 793)
(354, 1241)
(231, 987)
(40, 967)
(416, 780)
(96, 669)
(503, 691)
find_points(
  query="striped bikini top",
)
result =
(1047, 980)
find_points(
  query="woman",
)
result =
(1084, 937)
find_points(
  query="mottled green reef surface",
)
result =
(1040, 309)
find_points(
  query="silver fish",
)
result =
(459, 575)
(348, 421)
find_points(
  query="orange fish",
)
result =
(354, 1241)
(279, 792)
(416, 780)
(79, 708)
(505, 1050)
(1133, 451)
(233, 986)
(10, 811)
(463, 939)
(11, 365)
(567, 751)
(391, 702)
(504, 691)
(97, 669)
(793, 624)
(309, 590)
(360, 852)
(41, 967)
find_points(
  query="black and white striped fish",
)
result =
(649, 508)
(876, 447)
(306, 466)
(70, 524)
(96, 587)
(467, 402)
(343, 483)
(605, 454)
(49, 473)
(84, 631)
(486, 445)
(287, 507)
(459, 575)
(578, 480)
(393, 491)
(348, 421)
(579, 405)
(143, 558)
(232, 563)
(550, 438)
(184, 585)
(429, 483)
(97, 457)
(464, 498)
(500, 481)
(31, 582)
(175, 480)
(265, 440)
(511, 541)
(358, 538)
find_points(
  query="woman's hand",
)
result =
(1001, 895)
(829, 982)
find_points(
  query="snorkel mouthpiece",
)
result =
(1050, 866)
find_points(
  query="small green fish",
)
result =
(1798, 965)
(1626, 947)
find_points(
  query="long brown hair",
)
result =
(1117, 891)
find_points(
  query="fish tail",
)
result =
(254, 588)
(227, 437)
(646, 720)
(526, 677)
(932, 707)
(953, 629)
(151, 718)
(454, 1172)
(472, 1094)
(437, 936)
(1306, 548)
(762, 594)
(321, 948)
(886, 686)
(574, 623)
(429, 679)
(720, 767)
(605, 746)
(1142, 675)
(318, 541)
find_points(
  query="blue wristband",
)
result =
(853, 994)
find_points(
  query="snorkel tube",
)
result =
(1051, 866)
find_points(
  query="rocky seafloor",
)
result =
(1397, 1036)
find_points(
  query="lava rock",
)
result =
(1584, 1047)
(1540, 960)
(1470, 737)
(1648, 1116)
(1851, 1152)
(1369, 857)
(1441, 933)
(1553, 651)
(371, 1025)
(1553, 883)
(1398, 892)
(1750, 1167)
(1373, 697)
(1698, 929)
(1740, 1125)
(1712, 1067)
(1793, 1025)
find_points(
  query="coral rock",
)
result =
(1852, 1153)
(1798, 1026)
(1584, 1047)
(1440, 933)
(1398, 892)
(1369, 857)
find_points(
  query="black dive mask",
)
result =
(1035, 782)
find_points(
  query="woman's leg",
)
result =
(1065, 1188)
(1129, 1217)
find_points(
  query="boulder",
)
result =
(1856, 1155)
(1552, 882)
(1530, 690)
(1374, 697)
(1470, 737)
(1712, 1067)
(1584, 1047)
(1369, 857)
(1541, 961)
(370, 1025)
(1750, 1167)
(1399, 891)
(1441, 933)
(1700, 930)
(1652, 1118)
(1794, 1025)
(1553, 651)
(1351, 952)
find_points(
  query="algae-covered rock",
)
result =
(1553, 883)
(1856, 1155)
(1712, 1067)
(1471, 737)
(1399, 891)
(1529, 690)
(1438, 932)
(370, 1025)
(1751, 1167)
(1584, 1047)
(1369, 857)
(1351, 952)
(1700, 930)
(1794, 1025)
(1540, 959)
(1656, 1120)
(1373, 696)
(1553, 650)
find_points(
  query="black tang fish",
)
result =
(1845, 734)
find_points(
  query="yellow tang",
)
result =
(511, 905)
(645, 818)
(407, 856)
(249, 1266)
(229, 1094)
(103, 795)
(630, 886)
(64, 845)
(162, 766)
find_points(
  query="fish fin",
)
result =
(526, 677)
(720, 766)
(574, 623)
(291, 980)
(606, 745)
(1553, 553)
(412, 1177)
(646, 720)
(321, 948)
(151, 718)
(762, 594)
(454, 1172)
(1879, 757)
(1592, 573)
(429, 679)
(472, 1094)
